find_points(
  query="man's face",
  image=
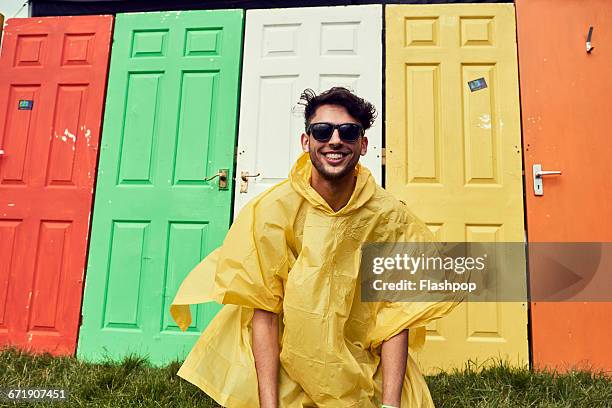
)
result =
(335, 158)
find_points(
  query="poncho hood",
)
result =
(299, 177)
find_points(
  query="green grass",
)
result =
(501, 385)
(134, 383)
(129, 383)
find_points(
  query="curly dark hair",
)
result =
(357, 107)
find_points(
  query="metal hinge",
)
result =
(383, 156)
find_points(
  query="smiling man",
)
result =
(334, 140)
(294, 331)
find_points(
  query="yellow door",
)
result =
(454, 154)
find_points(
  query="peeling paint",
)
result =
(485, 122)
(69, 135)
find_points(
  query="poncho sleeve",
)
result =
(393, 317)
(247, 270)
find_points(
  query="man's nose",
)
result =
(335, 138)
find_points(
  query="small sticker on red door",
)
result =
(26, 104)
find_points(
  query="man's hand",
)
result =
(393, 355)
(265, 351)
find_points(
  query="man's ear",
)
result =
(305, 142)
(364, 145)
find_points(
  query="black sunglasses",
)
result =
(323, 131)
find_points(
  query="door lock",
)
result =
(222, 174)
(244, 180)
(538, 173)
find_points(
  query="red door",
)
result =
(52, 83)
(565, 98)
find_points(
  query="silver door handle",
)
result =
(1, 152)
(538, 173)
(547, 173)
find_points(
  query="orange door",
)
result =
(565, 97)
(52, 83)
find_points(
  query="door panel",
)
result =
(286, 51)
(170, 124)
(454, 157)
(52, 83)
(565, 95)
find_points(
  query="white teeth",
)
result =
(333, 156)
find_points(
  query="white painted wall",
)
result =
(10, 8)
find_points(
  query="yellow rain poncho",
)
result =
(289, 253)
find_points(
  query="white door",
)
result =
(286, 51)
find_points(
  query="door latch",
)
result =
(222, 174)
(244, 180)
(538, 185)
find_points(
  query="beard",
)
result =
(348, 168)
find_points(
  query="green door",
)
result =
(169, 124)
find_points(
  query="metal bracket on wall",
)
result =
(589, 47)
